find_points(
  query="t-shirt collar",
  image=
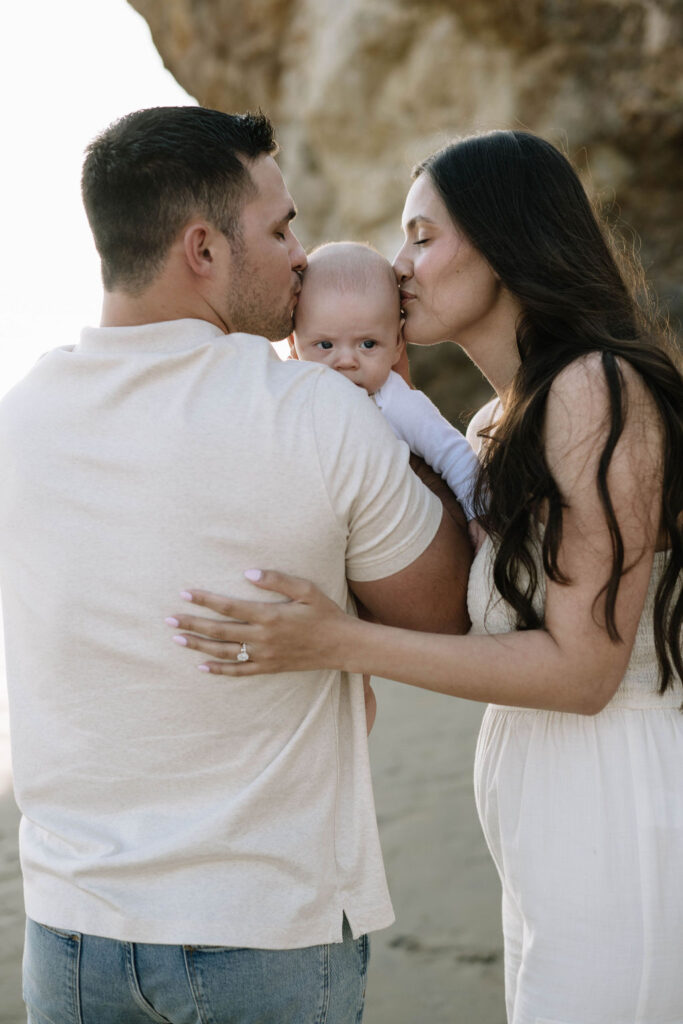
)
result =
(166, 336)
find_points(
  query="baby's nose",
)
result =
(345, 360)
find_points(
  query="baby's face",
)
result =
(356, 333)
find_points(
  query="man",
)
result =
(194, 849)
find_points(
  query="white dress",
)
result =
(584, 819)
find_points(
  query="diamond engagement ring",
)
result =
(243, 653)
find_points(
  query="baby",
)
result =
(348, 317)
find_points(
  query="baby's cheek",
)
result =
(309, 354)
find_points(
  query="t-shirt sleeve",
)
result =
(387, 513)
(415, 419)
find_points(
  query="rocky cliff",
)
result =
(361, 89)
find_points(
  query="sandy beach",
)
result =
(441, 962)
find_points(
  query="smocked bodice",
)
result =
(489, 613)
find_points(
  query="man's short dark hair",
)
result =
(147, 174)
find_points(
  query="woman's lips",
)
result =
(406, 297)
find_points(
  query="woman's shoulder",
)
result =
(592, 414)
(482, 420)
(586, 390)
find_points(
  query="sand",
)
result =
(441, 963)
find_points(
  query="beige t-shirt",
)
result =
(161, 804)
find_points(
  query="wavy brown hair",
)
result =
(521, 204)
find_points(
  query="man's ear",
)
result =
(199, 247)
(292, 349)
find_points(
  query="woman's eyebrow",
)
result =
(416, 219)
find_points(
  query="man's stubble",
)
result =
(253, 307)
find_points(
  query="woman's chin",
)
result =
(421, 338)
(425, 333)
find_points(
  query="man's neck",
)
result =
(155, 305)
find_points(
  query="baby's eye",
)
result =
(324, 345)
(368, 343)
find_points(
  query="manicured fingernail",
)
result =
(203, 668)
(253, 574)
(172, 622)
(186, 595)
(180, 640)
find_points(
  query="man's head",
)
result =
(348, 316)
(203, 186)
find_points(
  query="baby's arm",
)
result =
(416, 420)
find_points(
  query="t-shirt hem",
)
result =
(409, 553)
(201, 933)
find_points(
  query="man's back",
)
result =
(162, 805)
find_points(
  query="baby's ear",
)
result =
(401, 365)
(292, 350)
(400, 347)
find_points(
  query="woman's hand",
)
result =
(300, 634)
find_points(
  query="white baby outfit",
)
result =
(417, 421)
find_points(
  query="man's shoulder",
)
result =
(332, 389)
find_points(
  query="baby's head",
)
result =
(348, 315)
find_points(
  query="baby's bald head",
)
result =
(352, 267)
(348, 315)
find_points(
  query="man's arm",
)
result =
(431, 593)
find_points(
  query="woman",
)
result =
(574, 596)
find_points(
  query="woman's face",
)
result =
(448, 290)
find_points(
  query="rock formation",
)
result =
(361, 89)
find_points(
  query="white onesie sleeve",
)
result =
(417, 421)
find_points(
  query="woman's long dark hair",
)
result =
(522, 206)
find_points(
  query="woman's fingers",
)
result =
(279, 635)
(230, 607)
(216, 629)
(233, 668)
(293, 587)
(214, 648)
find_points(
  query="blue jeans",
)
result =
(71, 978)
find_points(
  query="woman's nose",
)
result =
(401, 265)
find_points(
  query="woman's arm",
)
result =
(569, 665)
